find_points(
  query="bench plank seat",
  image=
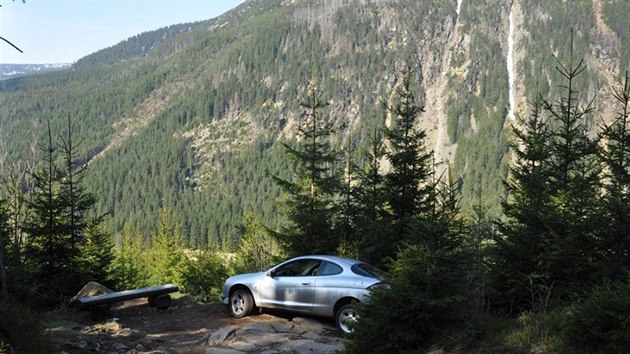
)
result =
(106, 299)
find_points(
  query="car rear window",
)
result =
(365, 270)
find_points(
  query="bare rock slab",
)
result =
(221, 335)
(308, 346)
(310, 325)
(217, 350)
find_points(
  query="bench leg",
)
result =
(161, 302)
(100, 312)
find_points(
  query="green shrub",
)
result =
(600, 321)
(204, 276)
(22, 329)
(257, 250)
(533, 331)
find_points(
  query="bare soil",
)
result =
(134, 325)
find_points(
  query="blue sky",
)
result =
(62, 31)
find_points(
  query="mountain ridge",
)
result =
(190, 117)
(15, 70)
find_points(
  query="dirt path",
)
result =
(135, 327)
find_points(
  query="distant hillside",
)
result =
(190, 117)
(14, 70)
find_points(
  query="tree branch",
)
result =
(12, 45)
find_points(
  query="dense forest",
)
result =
(192, 117)
(218, 137)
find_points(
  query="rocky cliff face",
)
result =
(191, 116)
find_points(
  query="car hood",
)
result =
(247, 278)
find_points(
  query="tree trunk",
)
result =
(4, 293)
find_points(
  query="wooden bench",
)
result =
(157, 295)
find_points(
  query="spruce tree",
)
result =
(518, 251)
(431, 273)
(547, 246)
(614, 235)
(76, 201)
(95, 253)
(479, 234)
(430, 264)
(345, 222)
(408, 181)
(48, 251)
(15, 186)
(4, 247)
(569, 254)
(166, 255)
(128, 269)
(74, 195)
(372, 218)
(310, 195)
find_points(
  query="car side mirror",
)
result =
(271, 273)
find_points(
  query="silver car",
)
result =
(319, 285)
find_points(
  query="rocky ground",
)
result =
(189, 327)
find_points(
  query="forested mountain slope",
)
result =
(191, 117)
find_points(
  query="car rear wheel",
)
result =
(241, 303)
(346, 317)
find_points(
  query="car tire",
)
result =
(345, 318)
(241, 303)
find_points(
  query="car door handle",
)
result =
(306, 283)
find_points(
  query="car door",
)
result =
(290, 286)
(329, 288)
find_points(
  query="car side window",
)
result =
(299, 268)
(329, 268)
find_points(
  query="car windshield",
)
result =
(365, 270)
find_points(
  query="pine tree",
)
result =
(310, 204)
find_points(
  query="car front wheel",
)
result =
(241, 303)
(346, 317)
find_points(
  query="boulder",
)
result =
(90, 289)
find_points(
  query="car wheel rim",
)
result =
(347, 318)
(238, 304)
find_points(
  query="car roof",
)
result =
(338, 259)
